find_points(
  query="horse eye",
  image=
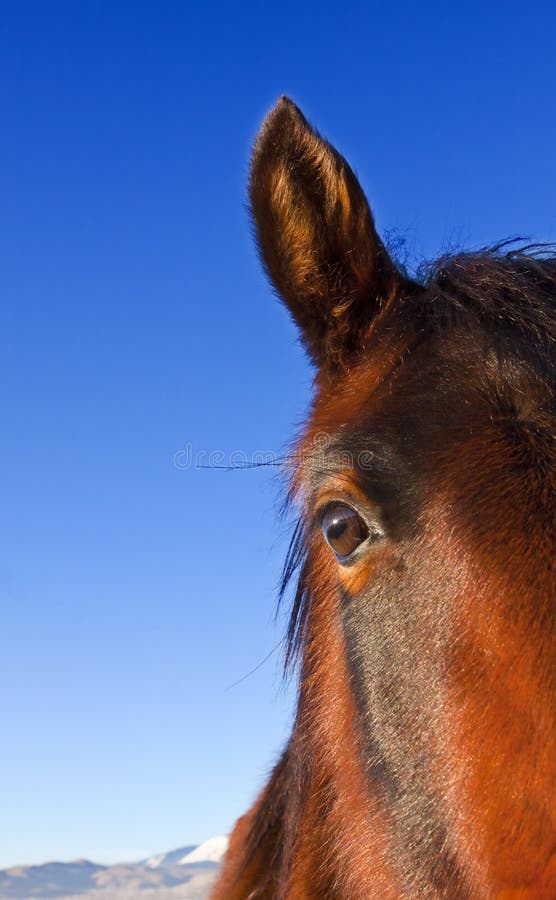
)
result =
(343, 529)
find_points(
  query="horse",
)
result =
(422, 758)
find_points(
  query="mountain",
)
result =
(209, 853)
(50, 880)
(167, 859)
(183, 874)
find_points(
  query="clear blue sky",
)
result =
(135, 319)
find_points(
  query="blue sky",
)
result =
(136, 322)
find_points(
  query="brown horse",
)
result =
(422, 761)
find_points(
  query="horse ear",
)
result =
(317, 236)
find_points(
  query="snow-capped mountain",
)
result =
(187, 873)
(174, 857)
(212, 851)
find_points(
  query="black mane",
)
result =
(512, 291)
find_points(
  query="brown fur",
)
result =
(422, 761)
(318, 241)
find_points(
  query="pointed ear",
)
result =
(317, 237)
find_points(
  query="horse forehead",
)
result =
(384, 378)
(418, 408)
(466, 362)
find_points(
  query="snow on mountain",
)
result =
(183, 874)
(211, 851)
(167, 859)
